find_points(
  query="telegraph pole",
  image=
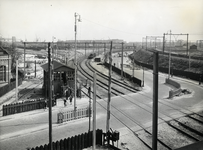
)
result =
(75, 62)
(163, 42)
(169, 68)
(122, 63)
(85, 49)
(109, 91)
(16, 80)
(50, 94)
(155, 101)
(24, 56)
(133, 61)
(89, 92)
(94, 113)
(187, 44)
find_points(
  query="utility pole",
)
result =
(143, 77)
(93, 46)
(75, 108)
(16, 80)
(163, 42)
(104, 48)
(85, 49)
(122, 62)
(187, 45)
(50, 57)
(155, 101)
(35, 68)
(94, 113)
(24, 56)
(169, 68)
(109, 91)
(89, 92)
(133, 61)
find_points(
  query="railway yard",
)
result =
(180, 120)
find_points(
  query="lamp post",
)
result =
(79, 20)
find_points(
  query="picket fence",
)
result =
(77, 142)
(70, 115)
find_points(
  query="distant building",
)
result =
(5, 66)
(193, 47)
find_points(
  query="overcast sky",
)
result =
(101, 19)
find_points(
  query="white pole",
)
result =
(75, 66)
(169, 68)
(17, 80)
(94, 113)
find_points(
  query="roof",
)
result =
(59, 66)
(3, 51)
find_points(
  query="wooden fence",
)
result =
(70, 115)
(128, 76)
(77, 142)
(24, 106)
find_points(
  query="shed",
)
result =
(63, 77)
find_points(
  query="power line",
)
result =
(112, 28)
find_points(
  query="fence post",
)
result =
(46, 147)
(86, 140)
(54, 146)
(68, 146)
(57, 146)
(41, 147)
(72, 143)
(89, 138)
(82, 141)
(62, 144)
(76, 142)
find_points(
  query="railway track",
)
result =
(24, 94)
(174, 130)
(118, 88)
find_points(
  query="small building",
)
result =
(193, 47)
(5, 65)
(64, 75)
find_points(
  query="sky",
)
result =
(130, 20)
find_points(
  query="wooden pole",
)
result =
(50, 95)
(94, 114)
(16, 80)
(89, 92)
(109, 91)
(187, 45)
(35, 69)
(24, 56)
(155, 102)
(122, 63)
